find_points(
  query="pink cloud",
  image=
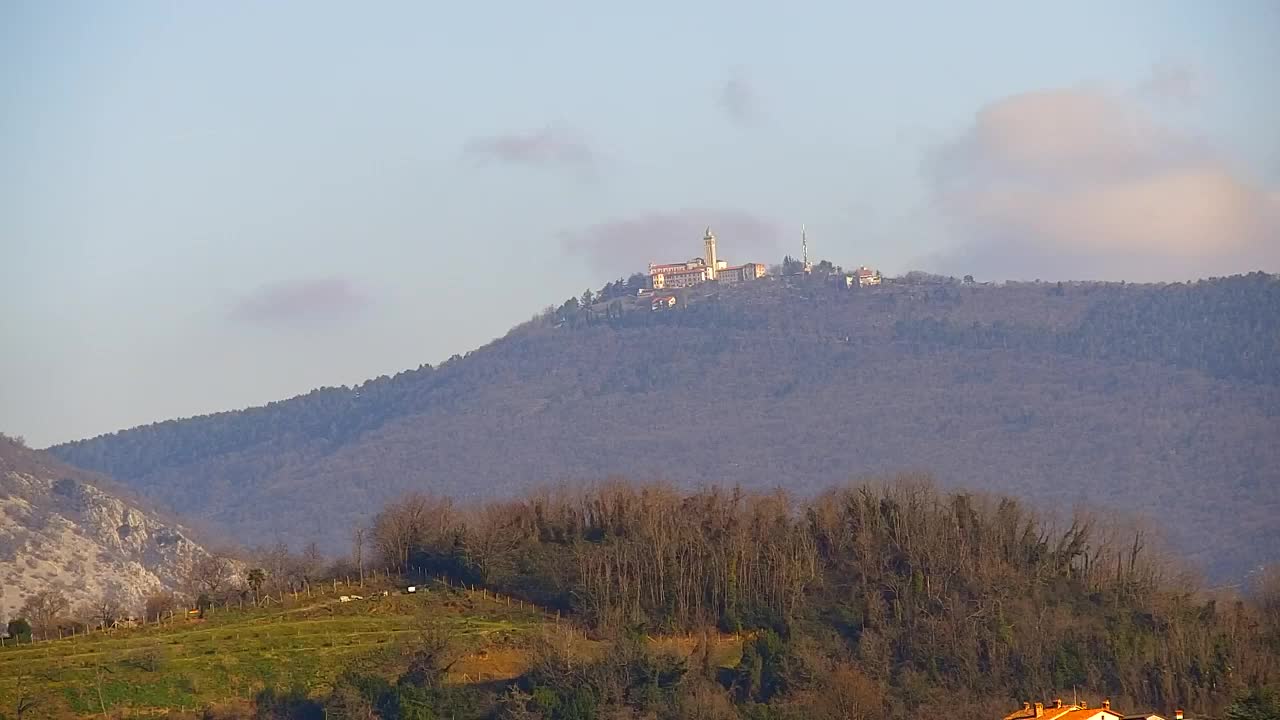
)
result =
(628, 245)
(1076, 180)
(300, 302)
(549, 147)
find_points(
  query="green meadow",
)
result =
(232, 654)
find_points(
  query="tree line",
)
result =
(1227, 328)
(923, 592)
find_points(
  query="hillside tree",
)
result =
(44, 609)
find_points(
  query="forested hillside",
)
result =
(883, 599)
(1158, 400)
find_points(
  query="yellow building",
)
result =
(671, 276)
(740, 273)
(664, 277)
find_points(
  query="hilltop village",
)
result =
(662, 286)
(709, 268)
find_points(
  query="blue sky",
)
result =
(205, 206)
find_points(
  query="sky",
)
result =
(206, 206)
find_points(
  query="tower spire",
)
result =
(710, 241)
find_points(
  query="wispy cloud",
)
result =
(551, 147)
(739, 100)
(1087, 183)
(301, 303)
(627, 245)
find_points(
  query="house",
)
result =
(1071, 711)
(861, 278)
(662, 302)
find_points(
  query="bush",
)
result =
(148, 660)
(21, 629)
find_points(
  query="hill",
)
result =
(1160, 400)
(65, 529)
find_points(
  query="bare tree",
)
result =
(357, 541)
(107, 610)
(209, 574)
(100, 672)
(277, 562)
(409, 524)
(23, 700)
(310, 563)
(431, 654)
(44, 609)
(158, 605)
(492, 539)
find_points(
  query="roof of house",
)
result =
(1066, 711)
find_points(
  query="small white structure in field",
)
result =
(412, 589)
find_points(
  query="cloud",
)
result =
(628, 245)
(300, 303)
(1079, 182)
(738, 99)
(1171, 83)
(550, 147)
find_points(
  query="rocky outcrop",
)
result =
(59, 528)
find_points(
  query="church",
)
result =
(702, 269)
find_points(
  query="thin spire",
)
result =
(804, 246)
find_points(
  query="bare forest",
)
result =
(907, 596)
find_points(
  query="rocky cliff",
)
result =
(65, 528)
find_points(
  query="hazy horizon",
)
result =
(208, 208)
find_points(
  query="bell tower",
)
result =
(710, 241)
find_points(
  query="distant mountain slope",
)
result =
(61, 528)
(1163, 400)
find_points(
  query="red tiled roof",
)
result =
(1066, 712)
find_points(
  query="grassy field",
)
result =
(232, 654)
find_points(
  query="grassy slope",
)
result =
(231, 655)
